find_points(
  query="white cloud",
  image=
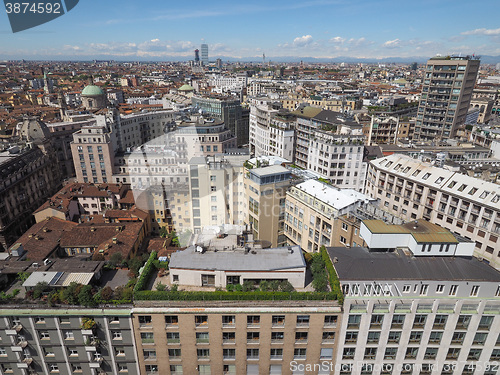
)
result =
(482, 31)
(337, 39)
(392, 43)
(155, 40)
(303, 41)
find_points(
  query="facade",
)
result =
(28, 176)
(216, 191)
(93, 97)
(311, 209)
(446, 95)
(204, 54)
(272, 131)
(266, 189)
(465, 205)
(232, 338)
(338, 158)
(226, 109)
(416, 315)
(67, 341)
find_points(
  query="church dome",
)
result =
(92, 90)
(186, 88)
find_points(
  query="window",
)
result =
(202, 338)
(119, 352)
(171, 320)
(331, 320)
(453, 353)
(144, 320)
(44, 335)
(419, 320)
(204, 369)
(474, 291)
(53, 367)
(253, 320)
(351, 337)
(203, 353)
(406, 288)
(435, 337)
(453, 290)
(228, 353)
(276, 353)
(376, 320)
(370, 353)
(458, 338)
(149, 354)
(252, 337)
(390, 353)
(373, 337)
(415, 337)
(252, 353)
(397, 321)
(277, 336)
(117, 335)
(153, 369)
(3, 352)
(76, 368)
(278, 320)
(122, 368)
(302, 320)
(174, 353)
(394, 337)
(485, 323)
(39, 319)
(345, 226)
(479, 338)
(328, 336)
(173, 337)
(440, 321)
(353, 321)
(326, 353)
(49, 352)
(201, 320)
(68, 335)
(299, 353)
(348, 353)
(228, 320)
(411, 353)
(300, 337)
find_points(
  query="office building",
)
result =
(204, 54)
(265, 189)
(465, 205)
(311, 210)
(226, 109)
(231, 338)
(411, 314)
(446, 95)
(272, 130)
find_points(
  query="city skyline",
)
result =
(319, 29)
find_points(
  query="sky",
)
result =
(163, 30)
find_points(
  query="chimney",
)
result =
(92, 229)
(115, 240)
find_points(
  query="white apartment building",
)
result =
(408, 314)
(465, 205)
(222, 84)
(217, 191)
(272, 131)
(339, 159)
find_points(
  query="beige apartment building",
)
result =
(265, 189)
(462, 204)
(311, 212)
(233, 337)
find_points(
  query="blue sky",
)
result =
(159, 29)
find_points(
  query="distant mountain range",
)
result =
(276, 59)
(347, 59)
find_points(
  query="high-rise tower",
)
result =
(446, 95)
(197, 55)
(204, 54)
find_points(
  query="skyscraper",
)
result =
(446, 95)
(197, 55)
(204, 54)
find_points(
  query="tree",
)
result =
(106, 293)
(85, 297)
(40, 289)
(23, 276)
(163, 232)
(286, 286)
(116, 259)
(161, 287)
(70, 294)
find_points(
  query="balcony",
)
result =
(14, 329)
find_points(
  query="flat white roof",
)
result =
(333, 196)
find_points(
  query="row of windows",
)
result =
(230, 337)
(420, 320)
